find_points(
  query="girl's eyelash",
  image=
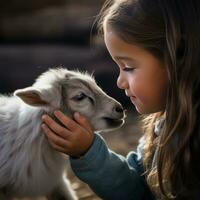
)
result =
(127, 69)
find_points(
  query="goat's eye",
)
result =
(79, 97)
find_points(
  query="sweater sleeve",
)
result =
(110, 175)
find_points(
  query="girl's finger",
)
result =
(83, 121)
(58, 148)
(53, 138)
(57, 128)
(66, 121)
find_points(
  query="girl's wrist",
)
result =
(86, 149)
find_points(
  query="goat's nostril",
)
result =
(119, 109)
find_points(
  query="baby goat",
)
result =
(29, 167)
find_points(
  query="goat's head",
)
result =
(72, 91)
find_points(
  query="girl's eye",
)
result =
(128, 69)
(79, 97)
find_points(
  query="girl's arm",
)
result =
(111, 176)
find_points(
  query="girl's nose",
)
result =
(122, 83)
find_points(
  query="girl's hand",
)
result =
(74, 138)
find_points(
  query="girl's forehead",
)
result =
(115, 43)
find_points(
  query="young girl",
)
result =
(156, 44)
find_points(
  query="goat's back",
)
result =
(28, 165)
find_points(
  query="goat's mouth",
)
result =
(112, 122)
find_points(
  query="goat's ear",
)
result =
(31, 96)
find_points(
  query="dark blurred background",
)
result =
(37, 35)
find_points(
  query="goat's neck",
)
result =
(29, 121)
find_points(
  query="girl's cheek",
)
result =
(135, 86)
(139, 91)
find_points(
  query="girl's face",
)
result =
(142, 76)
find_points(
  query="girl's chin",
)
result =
(146, 111)
(140, 111)
(138, 108)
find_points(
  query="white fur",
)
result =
(29, 167)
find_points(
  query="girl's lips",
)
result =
(133, 98)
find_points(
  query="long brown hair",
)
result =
(170, 30)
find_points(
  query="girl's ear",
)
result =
(32, 96)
